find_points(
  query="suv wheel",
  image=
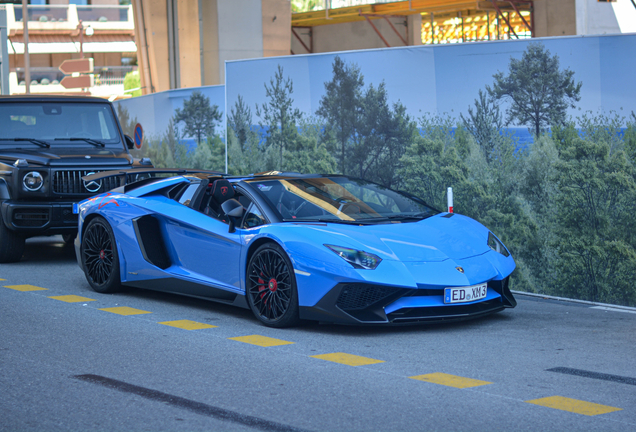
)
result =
(69, 238)
(11, 244)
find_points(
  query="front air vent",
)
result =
(68, 216)
(357, 296)
(25, 217)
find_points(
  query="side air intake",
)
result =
(151, 242)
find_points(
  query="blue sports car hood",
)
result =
(437, 238)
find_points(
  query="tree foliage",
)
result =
(362, 130)
(198, 115)
(306, 5)
(597, 255)
(381, 138)
(279, 118)
(133, 82)
(245, 155)
(484, 122)
(240, 120)
(340, 107)
(538, 91)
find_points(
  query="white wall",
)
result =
(240, 31)
(597, 18)
(626, 15)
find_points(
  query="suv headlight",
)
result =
(33, 181)
(496, 245)
(358, 259)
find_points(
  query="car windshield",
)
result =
(341, 199)
(58, 123)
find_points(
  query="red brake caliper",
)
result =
(261, 286)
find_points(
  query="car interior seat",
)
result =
(220, 191)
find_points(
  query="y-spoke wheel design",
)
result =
(99, 257)
(271, 287)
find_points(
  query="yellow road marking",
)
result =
(72, 298)
(125, 310)
(187, 324)
(450, 380)
(25, 288)
(262, 341)
(347, 359)
(2, 279)
(574, 405)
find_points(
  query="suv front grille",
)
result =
(70, 183)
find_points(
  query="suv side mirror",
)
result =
(129, 142)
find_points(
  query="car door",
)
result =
(205, 250)
(200, 248)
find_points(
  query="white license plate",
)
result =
(465, 294)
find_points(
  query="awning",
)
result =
(57, 44)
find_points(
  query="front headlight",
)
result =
(496, 245)
(33, 181)
(358, 259)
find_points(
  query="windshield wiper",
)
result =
(96, 143)
(32, 140)
(420, 216)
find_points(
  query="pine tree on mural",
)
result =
(484, 122)
(340, 107)
(279, 118)
(198, 115)
(538, 90)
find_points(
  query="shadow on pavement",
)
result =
(48, 249)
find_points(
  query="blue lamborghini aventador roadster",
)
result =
(289, 247)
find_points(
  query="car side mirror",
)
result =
(129, 142)
(233, 209)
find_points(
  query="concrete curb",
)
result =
(611, 306)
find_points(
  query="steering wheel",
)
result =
(252, 220)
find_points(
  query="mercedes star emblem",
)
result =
(92, 186)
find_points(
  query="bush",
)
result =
(132, 81)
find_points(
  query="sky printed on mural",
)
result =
(154, 111)
(446, 78)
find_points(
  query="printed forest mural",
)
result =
(561, 195)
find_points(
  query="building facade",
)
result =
(60, 30)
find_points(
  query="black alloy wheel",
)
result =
(99, 257)
(271, 287)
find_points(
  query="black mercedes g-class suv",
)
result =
(47, 144)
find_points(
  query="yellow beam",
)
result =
(356, 13)
(503, 5)
(419, 6)
(300, 19)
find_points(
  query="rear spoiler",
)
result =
(128, 176)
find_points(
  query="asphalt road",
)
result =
(68, 364)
